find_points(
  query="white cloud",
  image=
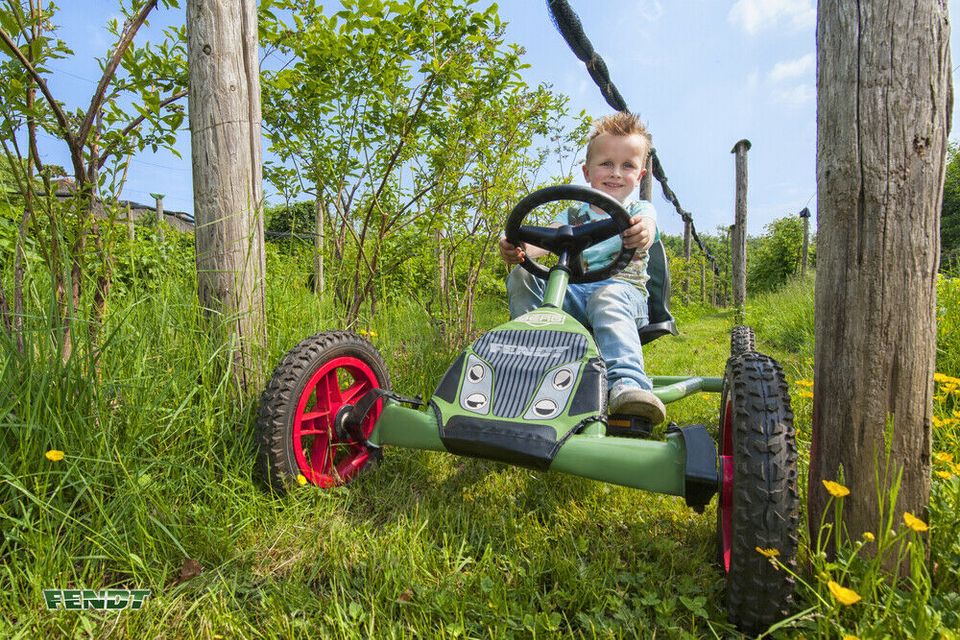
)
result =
(795, 96)
(650, 10)
(790, 69)
(754, 16)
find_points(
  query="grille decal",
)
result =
(519, 360)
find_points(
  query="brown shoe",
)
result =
(634, 401)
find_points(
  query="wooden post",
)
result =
(130, 229)
(158, 199)
(805, 214)
(881, 145)
(646, 183)
(703, 280)
(739, 257)
(225, 133)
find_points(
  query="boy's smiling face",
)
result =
(615, 164)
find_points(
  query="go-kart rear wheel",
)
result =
(295, 421)
(759, 505)
(742, 340)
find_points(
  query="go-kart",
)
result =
(532, 392)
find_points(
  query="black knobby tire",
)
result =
(742, 340)
(296, 439)
(759, 504)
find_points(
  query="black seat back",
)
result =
(658, 302)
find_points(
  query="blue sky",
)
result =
(703, 74)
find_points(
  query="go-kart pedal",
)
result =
(624, 426)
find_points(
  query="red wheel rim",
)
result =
(726, 486)
(324, 459)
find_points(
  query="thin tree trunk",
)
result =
(224, 107)
(318, 211)
(883, 105)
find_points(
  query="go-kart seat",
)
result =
(658, 297)
(658, 288)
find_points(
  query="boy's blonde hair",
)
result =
(622, 123)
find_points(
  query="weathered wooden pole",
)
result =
(227, 176)
(158, 204)
(703, 281)
(739, 257)
(646, 182)
(883, 118)
(805, 214)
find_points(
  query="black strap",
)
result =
(353, 420)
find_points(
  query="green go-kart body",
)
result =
(532, 392)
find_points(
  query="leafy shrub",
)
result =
(776, 256)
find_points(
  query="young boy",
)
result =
(617, 307)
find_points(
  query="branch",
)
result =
(126, 38)
(136, 122)
(75, 155)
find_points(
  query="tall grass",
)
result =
(158, 454)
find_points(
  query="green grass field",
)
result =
(155, 491)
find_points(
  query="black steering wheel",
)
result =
(569, 240)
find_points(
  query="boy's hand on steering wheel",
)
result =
(511, 253)
(641, 233)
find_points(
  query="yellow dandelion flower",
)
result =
(301, 479)
(943, 456)
(869, 537)
(946, 475)
(843, 595)
(950, 387)
(54, 455)
(805, 383)
(937, 422)
(850, 637)
(767, 553)
(943, 378)
(806, 394)
(914, 522)
(836, 489)
(956, 414)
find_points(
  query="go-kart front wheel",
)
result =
(758, 510)
(295, 430)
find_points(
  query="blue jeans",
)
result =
(614, 309)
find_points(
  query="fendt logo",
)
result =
(103, 600)
(529, 352)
